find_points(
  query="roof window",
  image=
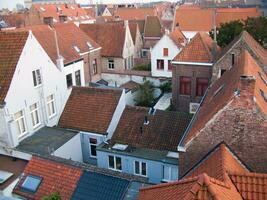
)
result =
(264, 96)
(89, 45)
(31, 183)
(76, 49)
(4, 176)
(42, 9)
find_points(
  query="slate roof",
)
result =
(152, 27)
(134, 13)
(202, 19)
(199, 50)
(46, 140)
(163, 132)
(68, 36)
(11, 46)
(96, 186)
(56, 177)
(107, 35)
(90, 109)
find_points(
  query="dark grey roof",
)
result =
(46, 140)
(96, 186)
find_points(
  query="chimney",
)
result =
(246, 88)
(60, 60)
(49, 21)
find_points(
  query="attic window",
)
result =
(4, 176)
(31, 183)
(263, 78)
(264, 96)
(76, 49)
(42, 9)
(89, 45)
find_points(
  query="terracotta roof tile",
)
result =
(56, 177)
(107, 35)
(11, 46)
(178, 37)
(152, 27)
(68, 36)
(133, 29)
(90, 109)
(199, 49)
(134, 13)
(163, 132)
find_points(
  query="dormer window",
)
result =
(76, 49)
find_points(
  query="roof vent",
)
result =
(247, 77)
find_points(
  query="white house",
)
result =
(163, 53)
(32, 88)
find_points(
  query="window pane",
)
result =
(111, 162)
(166, 172)
(18, 114)
(93, 141)
(78, 77)
(174, 174)
(69, 80)
(136, 167)
(185, 85)
(118, 163)
(31, 183)
(93, 150)
(34, 78)
(38, 75)
(143, 169)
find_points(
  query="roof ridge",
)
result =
(205, 44)
(248, 174)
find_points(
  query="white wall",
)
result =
(71, 149)
(128, 50)
(157, 53)
(22, 92)
(189, 34)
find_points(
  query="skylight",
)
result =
(70, 18)
(4, 176)
(76, 49)
(42, 9)
(31, 183)
(89, 45)
(121, 147)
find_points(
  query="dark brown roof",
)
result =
(163, 131)
(141, 24)
(11, 46)
(152, 27)
(68, 36)
(110, 36)
(90, 109)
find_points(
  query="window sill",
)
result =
(140, 175)
(22, 136)
(117, 170)
(36, 126)
(38, 86)
(52, 116)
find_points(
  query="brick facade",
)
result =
(182, 102)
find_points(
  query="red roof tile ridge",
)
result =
(248, 174)
(204, 38)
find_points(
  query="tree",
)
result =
(145, 95)
(53, 196)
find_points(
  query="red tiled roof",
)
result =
(11, 46)
(90, 109)
(107, 35)
(14, 19)
(56, 177)
(199, 49)
(193, 18)
(134, 13)
(152, 27)
(74, 11)
(178, 37)
(133, 29)
(163, 132)
(68, 36)
(201, 187)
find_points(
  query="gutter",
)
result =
(191, 63)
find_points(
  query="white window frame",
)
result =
(92, 144)
(111, 63)
(170, 169)
(52, 102)
(36, 75)
(140, 168)
(20, 120)
(115, 163)
(35, 115)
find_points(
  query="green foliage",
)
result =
(166, 87)
(256, 27)
(145, 95)
(53, 196)
(143, 67)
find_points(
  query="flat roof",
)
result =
(46, 140)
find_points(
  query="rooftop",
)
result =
(152, 27)
(134, 13)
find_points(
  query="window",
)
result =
(202, 85)
(76, 48)
(160, 64)
(262, 78)
(169, 65)
(34, 115)
(144, 54)
(110, 63)
(94, 66)
(264, 96)
(140, 168)
(114, 163)
(169, 173)
(36, 77)
(222, 72)
(78, 77)
(165, 52)
(233, 58)
(69, 80)
(51, 105)
(20, 120)
(31, 183)
(185, 85)
(93, 144)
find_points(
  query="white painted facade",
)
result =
(22, 94)
(157, 54)
(128, 48)
(107, 13)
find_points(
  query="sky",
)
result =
(11, 4)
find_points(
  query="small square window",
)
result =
(165, 52)
(69, 80)
(31, 183)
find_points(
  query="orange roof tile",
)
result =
(199, 49)
(178, 37)
(56, 177)
(11, 46)
(134, 13)
(90, 109)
